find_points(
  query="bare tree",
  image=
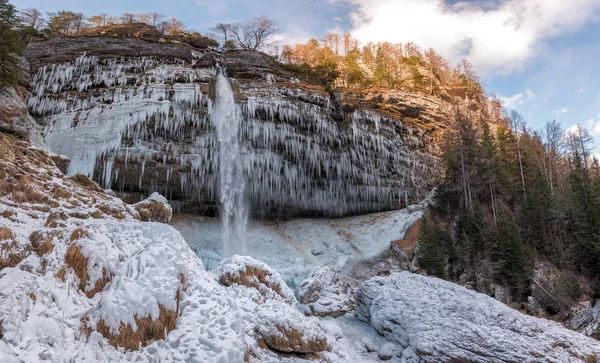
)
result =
(143, 18)
(255, 34)
(127, 18)
(518, 124)
(581, 142)
(32, 17)
(156, 18)
(175, 26)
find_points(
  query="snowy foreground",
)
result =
(86, 278)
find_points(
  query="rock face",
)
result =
(136, 116)
(432, 320)
(325, 294)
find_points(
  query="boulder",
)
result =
(440, 321)
(249, 273)
(286, 330)
(155, 208)
(325, 294)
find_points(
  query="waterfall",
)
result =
(227, 118)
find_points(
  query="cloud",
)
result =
(560, 110)
(338, 19)
(580, 90)
(511, 102)
(498, 37)
(530, 95)
(593, 126)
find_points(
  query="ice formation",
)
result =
(111, 116)
(226, 117)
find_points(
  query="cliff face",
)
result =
(136, 116)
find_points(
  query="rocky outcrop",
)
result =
(136, 116)
(432, 320)
(325, 294)
(154, 209)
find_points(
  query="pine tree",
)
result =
(11, 45)
(511, 258)
(430, 254)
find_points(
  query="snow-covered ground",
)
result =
(295, 247)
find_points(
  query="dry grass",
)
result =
(86, 183)
(147, 331)
(96, 214)
(32, 297)
(9, 214)
(61, 274)
(252, 277)
(79, 215)
(55, 219)
(115, 213)
(79, 233)
(12, 254)
(6, 234)
(154, 211)
(79, 263)
(292, 341)
(61, 193)
(593, 358)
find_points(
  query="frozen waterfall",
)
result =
(227, 119)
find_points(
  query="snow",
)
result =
(443, 322)
(293, 248)
(325, 293)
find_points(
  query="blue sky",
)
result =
(540, 56)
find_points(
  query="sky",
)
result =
(541, 57)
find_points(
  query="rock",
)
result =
(325, 294)
(160, 136)
(584, 318)
(62, 163)
(66, 49)
(387, 351)
(285, 330)
(13, 114)
(249, 273)
(155, 208)
(440, 321)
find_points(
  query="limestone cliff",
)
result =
(136, 116)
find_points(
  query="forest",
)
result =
(512, 197)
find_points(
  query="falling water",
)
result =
(227, 117)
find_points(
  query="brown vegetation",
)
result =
(86, 182)
(252, 277)
(11, 253)
(79, 233)
(76, 260)
(147, 331)
(55, 220)
(154, 211)
(292, 341)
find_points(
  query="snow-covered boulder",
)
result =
(325, 294)
(437, 321)
(155, 208)
(284, 329)
(262, 281)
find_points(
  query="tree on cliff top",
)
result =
(11, 45)
(255, 34)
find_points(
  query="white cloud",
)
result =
(338, 19)
(530, 95)
(513, 101)
(580, 90)
(499, 39)
(560, 110)
(593, 126)
(516, 100)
